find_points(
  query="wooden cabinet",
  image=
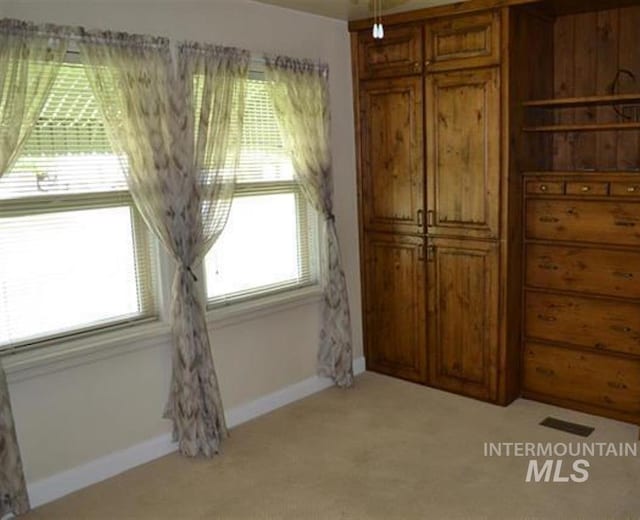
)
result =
(391, 148)
(498, 139)
(431, 188)
(395, 305)
(398, 54)
(463, 153)
(463, 281)
(582, 294)
(463, 42)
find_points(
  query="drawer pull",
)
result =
(545, 371)
(624, 223)
(601, 346)
(548, 219)
(619, 328)
(632, 189)
(617, 385)
(626, 276)
(416, 67)
(585, 188)
(544, 187)
(546, 318)
(548, 267)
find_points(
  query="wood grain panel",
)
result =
(398, 54)
(564, 49)
(590, 47)
(463, 42)
(463, 308)
(463, 129)
(607, 58)
(584, 80)
(395, 308)
(628, 150)
(391, 144)
(588, 322)
(584, 269)
(583, 221)
(603, 381)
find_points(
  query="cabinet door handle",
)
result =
(421, 253)
(626, 276)
(416, 66)
(421, 218)
(431, 218)
(431, 253)
(546, 318)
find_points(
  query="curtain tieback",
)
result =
(188, 269)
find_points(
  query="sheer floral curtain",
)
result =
(180, 170)
(300, 94)
(30, 57)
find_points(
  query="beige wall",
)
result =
(75, 415)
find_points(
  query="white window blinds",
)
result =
(74, 253)
(269, 243)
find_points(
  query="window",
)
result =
(74, 253)
(269, 243)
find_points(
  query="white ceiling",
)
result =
(353, 9)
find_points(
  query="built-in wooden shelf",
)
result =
(616, 99)
(583, 127)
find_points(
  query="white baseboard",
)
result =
(66, 482)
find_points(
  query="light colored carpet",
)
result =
(384, 450)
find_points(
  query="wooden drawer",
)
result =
(603, 381)
(583, 221)
(593, 323)
(593, 189)
(589, 270)
(463, 41)
(545, 188)
(398, 54)
(625, 189)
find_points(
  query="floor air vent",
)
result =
(569, 427)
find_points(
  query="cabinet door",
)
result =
(395, 306)
(463, 309)
(463, 136)
(392, 155)
(398, 54)
(463, 42)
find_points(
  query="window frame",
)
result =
(309, 234)
(146, 255)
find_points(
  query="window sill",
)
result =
(258, 307)
(81, 351)
(75, 352)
